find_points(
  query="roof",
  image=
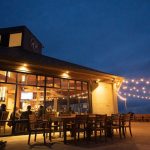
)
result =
(44, 62)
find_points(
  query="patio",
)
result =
(139, 141)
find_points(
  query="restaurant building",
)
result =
(27, 77)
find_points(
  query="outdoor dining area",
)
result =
(84, 127)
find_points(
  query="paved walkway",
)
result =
(139, 141)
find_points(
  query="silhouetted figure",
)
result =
(2, 109)
(40, 111)
(25, 115)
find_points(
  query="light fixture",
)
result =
(23, 68)
(98, 81)
(65, 74)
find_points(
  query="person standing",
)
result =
(2, 109)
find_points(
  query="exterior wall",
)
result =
(103, 99)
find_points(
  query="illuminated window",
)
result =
(64, 84)
(85, 86)
(15, 39)
(49, 81)
(56, 82)
(11, 77)
(71, 84)
(41, 81)
(78, 85)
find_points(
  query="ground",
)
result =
(139, 141)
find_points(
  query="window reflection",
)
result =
(64, 84)
(78, 85)
(2, 76)
(11, 77)
(41, 81)
(71, 84)
(49, 81)
(57, 82)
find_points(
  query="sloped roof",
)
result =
(23, 56)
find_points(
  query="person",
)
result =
(70, 111)
(17, 116)
(40, 111)
(25, 115)
(2, 109)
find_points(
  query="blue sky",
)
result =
(109, 35)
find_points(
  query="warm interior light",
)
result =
(8, 74)
(23, 78)
(2, 93)
(23, 68)
(15, 39)
(25, 65)
(98, 80)
(65, 74)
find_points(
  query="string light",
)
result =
(135, 88)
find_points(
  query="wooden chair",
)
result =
(126, 123)
(100, 125)
(116, 123)
(36, 126)
(54, 124)
(3, 120)
(80, 126)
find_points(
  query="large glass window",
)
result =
(63, 101)
(53, 94)
(82, 97)
(7, 99)
(74, 103)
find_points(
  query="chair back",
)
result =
(116, 119)
(101, 120)
(126, 119)
(32, 122)
(81, 121)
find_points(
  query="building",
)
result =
(29, 78)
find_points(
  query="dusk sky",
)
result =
(109, 35)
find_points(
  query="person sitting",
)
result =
(17, 116)
(40, 111)
(70, 111)
(25, 115)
